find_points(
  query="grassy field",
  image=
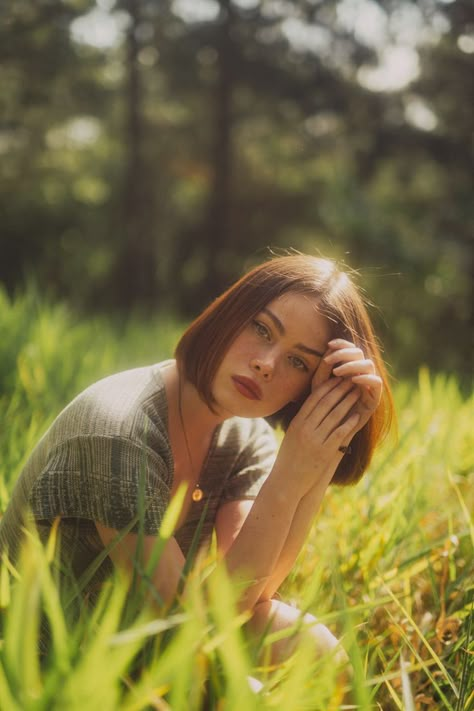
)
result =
(389, 564)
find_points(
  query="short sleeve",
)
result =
(253, 464)
(110, 480)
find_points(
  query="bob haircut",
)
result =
(203, 345)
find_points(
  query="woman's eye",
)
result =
(298, 363)
(261, 330)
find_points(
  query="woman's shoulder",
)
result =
(126, 386)
(127, 405)
(239, 433)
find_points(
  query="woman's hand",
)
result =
(325, 422)
(345, 360)
(345, 392)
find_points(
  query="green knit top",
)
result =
(108, 449)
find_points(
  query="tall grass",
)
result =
(389, 564)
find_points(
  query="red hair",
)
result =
(203, 345)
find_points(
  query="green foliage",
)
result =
(47, 357)
(157, 167)
(388, 564)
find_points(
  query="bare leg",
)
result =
(275, 616)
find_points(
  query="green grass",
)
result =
(388, 565)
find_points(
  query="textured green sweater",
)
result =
(114, 435)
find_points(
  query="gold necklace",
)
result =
(198, 493)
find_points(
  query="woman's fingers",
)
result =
(354, 367)
(371, 392)
(348, 353)
(328, 419)
(344, 432)
(346, 390)
(373, 382)
(348, 361)
(337, 406)
(317, 394)
(340, 411)
(322, 400)
(323, 372)
(315, 439)
(338, 343)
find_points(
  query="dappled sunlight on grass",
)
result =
(388, 564)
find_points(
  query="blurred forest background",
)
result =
(151, 150)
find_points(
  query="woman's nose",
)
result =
(262, 366)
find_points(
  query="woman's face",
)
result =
(272, 361)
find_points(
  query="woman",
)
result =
(291, 341)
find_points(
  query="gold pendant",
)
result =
(197, 493)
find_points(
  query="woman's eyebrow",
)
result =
(280, 327)
(312, 351)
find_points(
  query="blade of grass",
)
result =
(464, 671)
(424, 640)
(425, 666)
(467, 516)
(408, 700)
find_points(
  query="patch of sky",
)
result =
(398, 66)
(196, 10)
(247, 4)
(393, 41)
(100, 27)
(79, 132)
(365, 19)
(466, 44)
(306, 37)
(394, 38)
(278, 8)
(418, 113)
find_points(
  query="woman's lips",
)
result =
(247, 387)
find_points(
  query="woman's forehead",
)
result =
(299, 314)
(295, 301)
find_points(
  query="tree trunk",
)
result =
(135, 273)
(218, 233)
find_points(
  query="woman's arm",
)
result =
(167, 574)
(308, 455)
(306, 461)
(261, 539)
(231, 517)
(358, 371)
(301, 525)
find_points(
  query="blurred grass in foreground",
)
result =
(389, 564)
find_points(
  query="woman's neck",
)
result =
(196, 415)
(191, 427)
(186, 406)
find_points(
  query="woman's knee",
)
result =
(274, 616)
